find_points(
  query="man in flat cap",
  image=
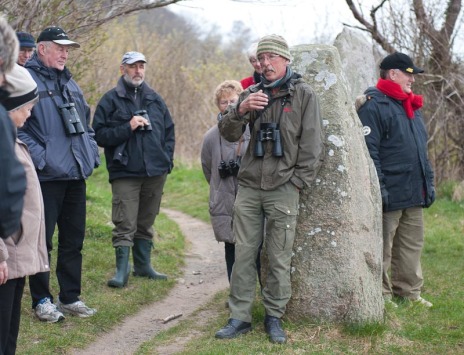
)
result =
(397, 141)
(283, 158)
(134, 126)
(26, 47)
(64, 152)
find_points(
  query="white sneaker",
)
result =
(77, 308)
(46, 311)
(422, 302)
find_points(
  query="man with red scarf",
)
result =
(397, 141)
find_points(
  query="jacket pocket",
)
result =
(285, 224)
(398, 182)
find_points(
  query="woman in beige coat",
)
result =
(23, 253)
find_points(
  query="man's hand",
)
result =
(255, 101)
(138, 121)
(3, 272)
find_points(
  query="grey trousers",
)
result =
(280, 207)
(403, 239)
(136, 203)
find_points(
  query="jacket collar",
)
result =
(35, 64)
(122, 89)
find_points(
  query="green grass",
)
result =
(186, 190)
(98, 266)
(408, 329)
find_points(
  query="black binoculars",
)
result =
(228, 169)
(268, 132)
(71, 120)
(144, 114)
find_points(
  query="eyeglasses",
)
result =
(227, 102)
(271, 57)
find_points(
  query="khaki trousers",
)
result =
(136, 203)
(280, 208)
(403, 239)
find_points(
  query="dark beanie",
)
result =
(21, 86)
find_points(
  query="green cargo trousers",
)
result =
(403, 239)
(136, 203)
(280, 207)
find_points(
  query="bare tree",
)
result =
(427, 31)
(184, 65)
(77, 16)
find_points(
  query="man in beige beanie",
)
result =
(283, 158)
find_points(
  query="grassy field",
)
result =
(98, 266)
(406, 330)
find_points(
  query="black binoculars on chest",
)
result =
(71, 120)
(144, 114)
(268, 132)
(229, 169)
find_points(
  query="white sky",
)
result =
(298, 21)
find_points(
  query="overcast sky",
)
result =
(299, 21)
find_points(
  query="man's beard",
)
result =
(131, 81)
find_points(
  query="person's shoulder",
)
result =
(214, 130)
(299, 84)
(211, 134)
(246, 82)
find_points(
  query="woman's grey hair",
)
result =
(9, 46)
(251, 51)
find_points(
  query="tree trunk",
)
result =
(337, 263)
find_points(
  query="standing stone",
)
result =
(336, 267)
(358, 62)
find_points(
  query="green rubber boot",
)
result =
(122, 267)
(142, 265)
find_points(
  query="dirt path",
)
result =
(204, 275)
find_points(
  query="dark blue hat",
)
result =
(25, 39)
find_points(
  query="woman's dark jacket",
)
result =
(138, 153)
(398, 147)
(12, 176)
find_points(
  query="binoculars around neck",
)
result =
(71, 120)
(229, 169)
(268, 132)
(144, 114)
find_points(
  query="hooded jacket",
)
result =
(295, 107)
(25, 251)
(56, 155)
(398, 147)
(134, 153)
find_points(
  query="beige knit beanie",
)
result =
(274, 44)
(21, 86)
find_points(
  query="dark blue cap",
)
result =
(25, 39)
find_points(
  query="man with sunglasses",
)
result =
(283, 158)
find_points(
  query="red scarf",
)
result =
(410, 101)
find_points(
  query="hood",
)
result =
(368, 94)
